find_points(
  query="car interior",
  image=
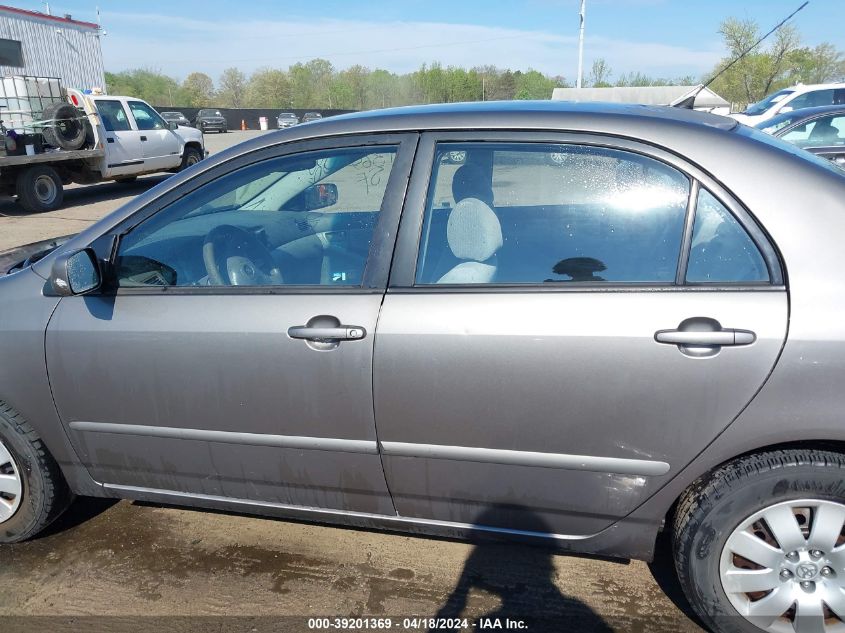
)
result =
(276, 222)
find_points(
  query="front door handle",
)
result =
(143, 138)
(702, 337)
(340, 333)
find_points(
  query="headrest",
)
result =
(473, 230)
(469, 181)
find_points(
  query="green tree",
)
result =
(149, 85)
(268, 88)
(762, 71)
(232, 91)
(197, 90)
(600, 74)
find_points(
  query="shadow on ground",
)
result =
(87, 194)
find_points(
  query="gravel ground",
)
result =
(130, 566)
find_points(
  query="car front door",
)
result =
(231, 354)
(161, 146)
(123, 144)
(570, 320)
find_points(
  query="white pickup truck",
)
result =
(127, 138)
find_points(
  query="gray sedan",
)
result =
(339, 322)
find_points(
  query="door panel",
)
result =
(557, 372)
(159, 144)
(219, 363)
(123, 144)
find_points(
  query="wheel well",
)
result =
(193, 144)
(823, 445)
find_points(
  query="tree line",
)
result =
(317, 84)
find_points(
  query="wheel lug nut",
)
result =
(785, 574)
(807, 585)
(826, 571)
(792, 555)
(815, 553)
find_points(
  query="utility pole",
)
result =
(581, 46)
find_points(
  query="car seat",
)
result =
(824, 132)
(474, 234)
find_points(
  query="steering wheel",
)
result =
(235, 257)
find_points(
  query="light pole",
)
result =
(581, 45)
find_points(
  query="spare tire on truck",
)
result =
(66, 126)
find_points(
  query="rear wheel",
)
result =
(39, 189)
(760, 544)
(33, 492)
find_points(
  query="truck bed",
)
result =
(50, 157)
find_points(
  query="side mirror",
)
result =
(172, 125)
(75, 273)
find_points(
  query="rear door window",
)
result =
(526, 213)
(113, 115)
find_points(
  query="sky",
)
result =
(661, 38)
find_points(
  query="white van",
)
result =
(794, 98)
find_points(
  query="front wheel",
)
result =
(191, 156)
(760, 544)
(33, 492)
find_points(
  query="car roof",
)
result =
(801, 114)
(810, 87)
(516, 114)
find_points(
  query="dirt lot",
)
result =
(130, 566)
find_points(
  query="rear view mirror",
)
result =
(75, 273)
(313, 198)
(320, 196)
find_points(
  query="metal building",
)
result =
(33, 43)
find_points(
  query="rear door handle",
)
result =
(143, 138)
(340, 333)
(701, 337)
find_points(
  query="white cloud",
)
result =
(177, 46)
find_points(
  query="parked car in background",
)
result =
(818, 130)
(790, 99)
(177, 117)
(580, 352)
(286, 119)
(311, 116)
(209, 120)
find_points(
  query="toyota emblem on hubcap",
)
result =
(806, 571)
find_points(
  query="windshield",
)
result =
(210, 113)
(761, 106)
(287, 115)
(779, 122)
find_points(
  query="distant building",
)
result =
(33, 43)
(706, 100)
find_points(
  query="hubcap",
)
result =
(783, 568)
(10, 484)
(45, 189)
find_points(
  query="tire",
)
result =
(191, 156)
(733, 510)
(44, 495)
(68, 130)
(39, 189)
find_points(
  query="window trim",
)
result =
(375, 275)
(403, 271)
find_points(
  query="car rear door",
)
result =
(123, 143)
(161, 146)
(170, 383)
(570, 320)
